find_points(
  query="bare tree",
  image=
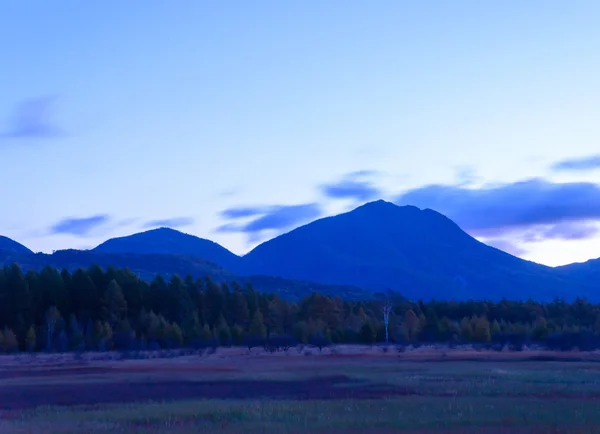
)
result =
(386, 308)
(385, 304)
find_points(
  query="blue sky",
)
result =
(236, 121)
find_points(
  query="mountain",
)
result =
(147, 266)
(419, 253)
(165, 241)
(9, 246)
(585, 272)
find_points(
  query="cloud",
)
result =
(561, 231)
(175, 222)
(31, 120)
(283, 217)
(278, 217)
(506, 246)
(80, 227)
(361, 173)
(578, 164)
(466, 175)
(352, 186)
(242, 212)
(497, 209)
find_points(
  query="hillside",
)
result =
(165, 241)
(10, 246)
(419, 253)
(585, 272)
(147, 266)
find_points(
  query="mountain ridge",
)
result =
(12, 246)
(171, 242)
(379, 245)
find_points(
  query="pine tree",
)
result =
(205, 334)
(411, 325)
(481, 329)
(76, 334)
(52, 326)
(237, 334)
(175, 335)
(466, 329)
(257, 326)
(114, 305)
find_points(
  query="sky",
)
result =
(237, 121)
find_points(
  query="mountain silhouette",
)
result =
(10, 246)
(584, 272)
(165, 241)
(419, 253)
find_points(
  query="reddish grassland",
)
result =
(343, 389)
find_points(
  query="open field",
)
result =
(345, 390)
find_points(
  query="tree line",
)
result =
(98, 310)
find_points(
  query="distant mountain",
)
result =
(9, 246)
(419, 253)
(584, 272)
(147, 266)
(165, 241)
(378, 246)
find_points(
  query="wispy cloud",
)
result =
(466, 175)
(175, 222)
(79, 226)
(31, 120)
(276, 218)
(561, 231)
(590, 162)
(354, 186)
(243, 212)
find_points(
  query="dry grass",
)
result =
(454, 391)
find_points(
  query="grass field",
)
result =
(359, 391)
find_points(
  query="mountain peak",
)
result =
(382, 206)
(167, 241)
(381, 245)
(163, 229)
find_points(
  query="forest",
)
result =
(100, 310)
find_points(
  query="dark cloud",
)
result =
(506, 246)
(578, 164)
(497, 209)
(79, 226)
(175, 222)
(353, 186)
(31, 120)
(279, 217)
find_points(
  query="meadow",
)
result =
(339, 390)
